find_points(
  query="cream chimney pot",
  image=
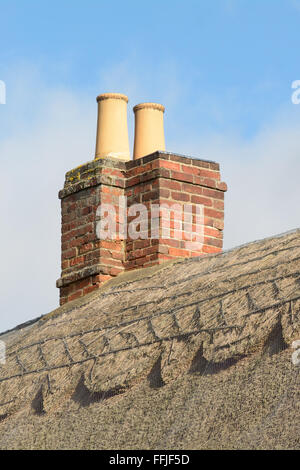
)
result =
(149, 129)
(112, 130)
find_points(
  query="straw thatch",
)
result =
(190, 354)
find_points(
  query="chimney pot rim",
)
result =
(116, 96)
(157, 106)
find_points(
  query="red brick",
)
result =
(201, 172)
(164, 173)
(151, 196)
(86, 247)
(178, 252)
(182, 176)
(77, 260)
(104, 277)
(169, 165)
(110, 262)
(115, 271)
(213, 232)
(111, 245)
(90, 289)
(133, 181)
(65, 264)
(86, 210)
(192, 188)
(222, 186)
(181, 196)
(111, 190)
(113, 172)
(210, 182)
(213, 242)
(214, 213)
(164, 192)
(170, 242)
(120, 182)
(83, 283)
(74, 296)
(210, 249)
(170, 184)
(141, 261)
(163, 257)
(200, 163)
(213, 193)
(140, 244)
(217, 204)
(219, 224)
(163, 249)
(201, 200)
(69, 254)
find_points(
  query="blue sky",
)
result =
(234, 59)
(223, 69)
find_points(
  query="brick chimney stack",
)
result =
(120, 214)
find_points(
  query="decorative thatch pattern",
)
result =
(192, 323)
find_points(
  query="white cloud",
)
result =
(34, 160)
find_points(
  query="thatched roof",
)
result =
(191, 354)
